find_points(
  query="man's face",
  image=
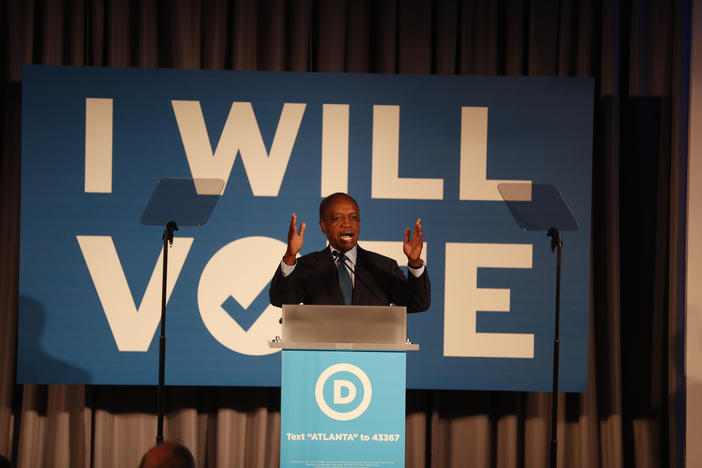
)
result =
(341, 223)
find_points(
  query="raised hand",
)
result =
(295, 240)
(413, 247)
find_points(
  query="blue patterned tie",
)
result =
(345, 282)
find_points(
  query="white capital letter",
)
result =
(385, 179)
(339, 399)
(98, 145)
(132, 329)
(241, 270)
(474, 184)
(335, 148)
(463, 299)
(240, 134)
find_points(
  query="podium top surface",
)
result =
(344, 327)
(345, 346)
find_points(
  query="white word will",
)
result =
(265, 170)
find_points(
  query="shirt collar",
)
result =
(351, 254)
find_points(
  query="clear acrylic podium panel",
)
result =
(537, 207)
(344, 327)
(188, 202)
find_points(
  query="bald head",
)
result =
(330, 199)
(168, 455)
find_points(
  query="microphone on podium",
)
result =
(349, 266)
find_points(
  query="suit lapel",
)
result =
(361, 294)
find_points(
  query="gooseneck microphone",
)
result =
(351, 269)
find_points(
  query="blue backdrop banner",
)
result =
(96, 141)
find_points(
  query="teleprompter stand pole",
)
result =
(160, 398)
(556, 244)
(191, 202)
(541, 207)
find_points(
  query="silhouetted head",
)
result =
(168, 455)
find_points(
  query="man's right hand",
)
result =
(295, 240)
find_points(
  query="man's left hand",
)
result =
(413, 246)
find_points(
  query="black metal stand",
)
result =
(545, 208)
(160, 398)
(557, 244)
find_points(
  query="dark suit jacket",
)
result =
(379, 281)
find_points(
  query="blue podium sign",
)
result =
(342, 408)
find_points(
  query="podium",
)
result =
(343, 386)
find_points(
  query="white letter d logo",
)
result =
(339, 398)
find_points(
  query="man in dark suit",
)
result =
(344, 273)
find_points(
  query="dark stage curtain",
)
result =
(637, 51)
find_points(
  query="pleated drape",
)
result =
(637, 52)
